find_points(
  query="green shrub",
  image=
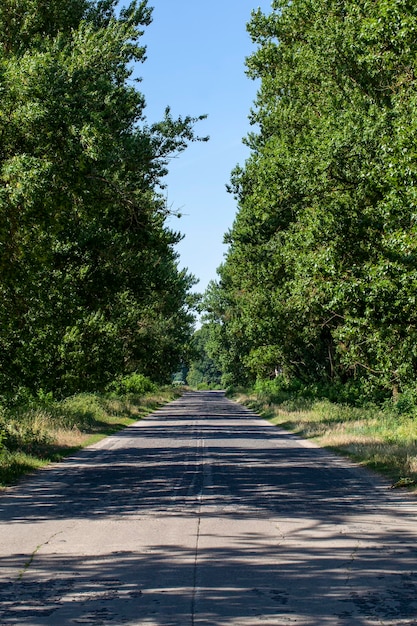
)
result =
(135, 383)
(23, 434)
(81, 411)
(405, 403)
(278, 390)
(354, 393)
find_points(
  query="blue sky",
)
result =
(195, 64)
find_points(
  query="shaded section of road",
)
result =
(204, 514)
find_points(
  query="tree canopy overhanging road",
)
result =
(205, 514)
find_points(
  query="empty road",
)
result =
(204, 514)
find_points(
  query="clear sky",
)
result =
(195, 63)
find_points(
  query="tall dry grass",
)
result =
(376, 437)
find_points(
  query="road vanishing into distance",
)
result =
(204, 514)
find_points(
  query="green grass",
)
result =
(378, 438)
(34, 436)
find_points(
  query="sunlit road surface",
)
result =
(204, 514)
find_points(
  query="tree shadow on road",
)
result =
(258, 583)
(342, 551)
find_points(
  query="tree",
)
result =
(90, 286)
(320, 273)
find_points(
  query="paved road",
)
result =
(204, 514)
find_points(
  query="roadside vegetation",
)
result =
(319, 281)
(316, 296)
(90, 282)
(382, 437)
(91, 290)
(318, 288)
(43, 430)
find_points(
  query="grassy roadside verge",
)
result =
(48, 432)
(378, 438)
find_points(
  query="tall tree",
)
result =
(89, 282)
(320, 276)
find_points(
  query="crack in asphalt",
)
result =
(349, 566)
(34, 553)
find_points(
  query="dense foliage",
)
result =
(320, 279)
(89, 283)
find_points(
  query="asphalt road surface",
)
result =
(204, 514)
